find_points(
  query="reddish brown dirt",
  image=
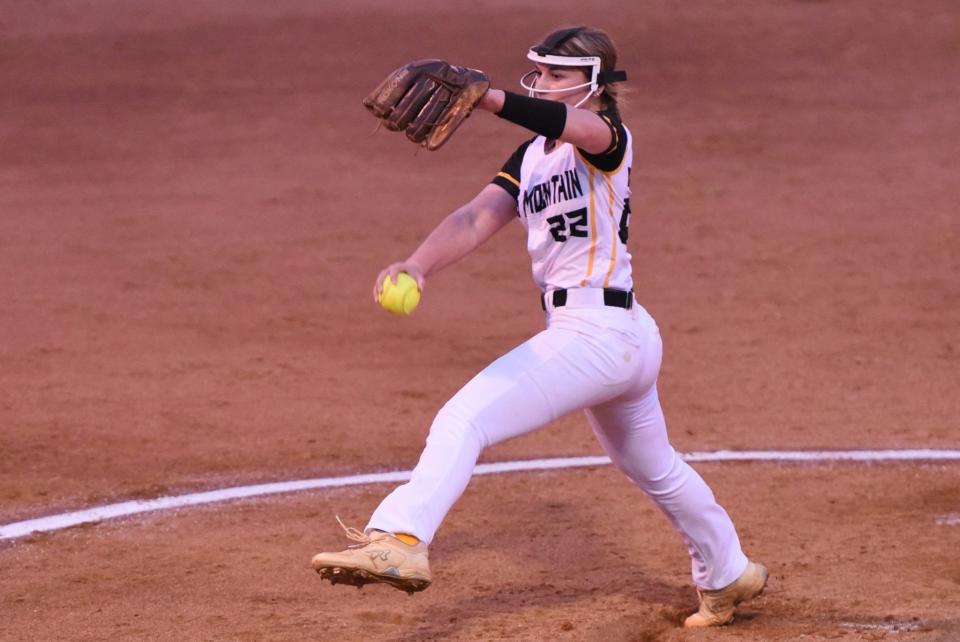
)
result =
(192, 211)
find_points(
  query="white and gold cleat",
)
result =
(717, 607)
(378, 557)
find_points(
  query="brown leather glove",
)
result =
(428, 99)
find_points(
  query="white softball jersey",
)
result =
(575, 207)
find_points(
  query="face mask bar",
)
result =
(562, 61)
(597, 77)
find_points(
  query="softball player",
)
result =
(600, 352)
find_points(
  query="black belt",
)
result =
(612, 298)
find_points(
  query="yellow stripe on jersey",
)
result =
(613, 232)
(593, 229)
(509, 178)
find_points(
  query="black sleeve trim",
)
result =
(610, 159)
(507, 182)
(509, 176)
(545, 117)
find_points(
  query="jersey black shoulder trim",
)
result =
(610, 159)
(509, 175)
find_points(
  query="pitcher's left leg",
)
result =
(633, 433)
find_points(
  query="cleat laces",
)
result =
(356, 535)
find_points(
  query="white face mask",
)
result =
(597, 77)
(532, 90)
(564, 61)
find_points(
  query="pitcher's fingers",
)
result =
(378, 286)
(394, 272)
(414, 271)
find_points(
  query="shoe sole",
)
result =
(360, 578)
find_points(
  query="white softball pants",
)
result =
(604, 360)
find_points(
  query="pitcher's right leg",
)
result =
(554, 373)
(551, 374)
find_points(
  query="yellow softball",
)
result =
(401, 297)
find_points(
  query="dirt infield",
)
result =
(193, 207)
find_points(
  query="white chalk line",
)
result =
(138, 506)
(901, 625)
